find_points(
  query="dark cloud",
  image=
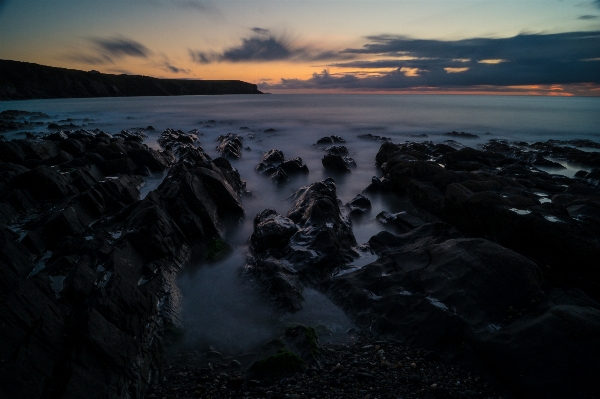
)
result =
(118, 47)
(585, 17)
(259, 49)
(521, 47)
(261, 31)
(527, 59)
(597, 3)
(264, 47)
(171, 68)
(200, 57)
(107, 50)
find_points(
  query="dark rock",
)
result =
(500, 202)
(304, 247)
(403, 221)
(72, 146)
(461, 135)
(271, 231)
(230, 145)
(274, 164)
(594, 174)
(373, 137)
(294, 166)
(336, 163)
(127, 135)
(359, 205)
(270, 130)
(337, 150)
(173, 140)
(279, 176)
(44, 184)
(439, 289)
(57, 136)
(331, 140)
(94, 305)
(581, 174)
(273, 157)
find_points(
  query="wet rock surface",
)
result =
(302, 248)
(175, 140)
(537, 153)
(504, 199)
(373, 137)
(88, 269)
(359, 205)
(16, 120)
(331, 140)
(499, 283)
(230, 145)
(275, 165)
(487, 261)
(337, 163)
(461, 135)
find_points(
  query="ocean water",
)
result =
(219, 308)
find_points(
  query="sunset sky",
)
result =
(547, 47)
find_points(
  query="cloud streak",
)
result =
(107, 50)
(527, 59)
(264, 46)
(119, 47)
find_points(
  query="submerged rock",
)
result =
(461, 135)
(373, 137)
(331, 140)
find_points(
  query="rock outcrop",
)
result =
(305, 247)
(279, 169)
(470, 298)
(550, 218)
(88, 270)
(230, 145)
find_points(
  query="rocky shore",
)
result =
(361, 368)
(483, 281)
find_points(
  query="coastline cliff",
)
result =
(25, 81)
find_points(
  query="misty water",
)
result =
(219, 309)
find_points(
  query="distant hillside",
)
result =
(24, 80)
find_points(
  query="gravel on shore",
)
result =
(364, 368)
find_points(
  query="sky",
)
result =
(534, 47)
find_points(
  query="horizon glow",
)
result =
(454, 46)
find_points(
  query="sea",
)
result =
(220, 309)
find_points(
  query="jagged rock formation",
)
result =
(279, 169)
(551, 218)
(88, 271)
(304, 247)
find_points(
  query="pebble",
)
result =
(355, 372)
